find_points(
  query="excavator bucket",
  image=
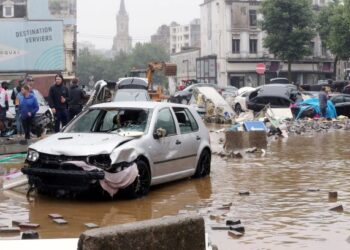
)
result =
(170, 69)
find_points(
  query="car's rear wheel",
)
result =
(238, 109)
(203, 166)
(141, 186)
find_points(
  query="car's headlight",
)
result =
(32, 155)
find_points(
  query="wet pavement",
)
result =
(288, 206)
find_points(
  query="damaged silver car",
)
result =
(124, 146)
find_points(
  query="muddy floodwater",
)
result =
(288, 206)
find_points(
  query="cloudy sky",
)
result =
(97, 19)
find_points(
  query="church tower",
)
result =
(122, 41)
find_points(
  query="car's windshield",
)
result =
(122, 121)
(131, 95)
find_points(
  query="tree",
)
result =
(334, 28)
(102, 67)
(289, 26)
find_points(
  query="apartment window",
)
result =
(253, 46)
(236, 46)
(8, 9)
(252, 18)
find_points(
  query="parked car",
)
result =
(132, 89)
(185, 95)
(121, 145)
(43, 119)
(280, 80)
(341, 103)
(240, 102)
(277, 95)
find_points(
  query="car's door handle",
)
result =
(178, 142)
(198, 138)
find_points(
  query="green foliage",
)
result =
(334, 28)
(101, 67)
(289, 26)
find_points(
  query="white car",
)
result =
(127, 146)
(240, 102)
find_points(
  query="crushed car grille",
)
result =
(55, 159)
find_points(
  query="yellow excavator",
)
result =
(168, 69)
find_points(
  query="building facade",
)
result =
(38, 37)
(186, 64)
(184, 36)
(230, 32)
(122, 41)
(162, 37)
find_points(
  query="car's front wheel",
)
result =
(203, 166)
(141, 186)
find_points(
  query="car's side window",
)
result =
(166, 121)
(346, 98)
(186, 121)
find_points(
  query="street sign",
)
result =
(260, 68)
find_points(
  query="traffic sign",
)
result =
(260, 68)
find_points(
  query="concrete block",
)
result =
(177, 232)
(55, 216)
(60, 221)
(28, 225)
(241, 140)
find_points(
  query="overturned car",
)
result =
(121, 146)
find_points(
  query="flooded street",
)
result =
(280, 213)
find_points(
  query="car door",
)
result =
(165, 151)
(189, 137)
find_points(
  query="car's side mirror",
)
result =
(159, 133)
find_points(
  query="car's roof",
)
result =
(146, 105)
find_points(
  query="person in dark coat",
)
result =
(76, 99)
(58, 101)
(28, 107)
(323, 99)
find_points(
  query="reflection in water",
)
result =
(280, 213)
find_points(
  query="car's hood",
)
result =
(75, 144)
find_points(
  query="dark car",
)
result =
(185, 95)
(275, 95)
(341, 103)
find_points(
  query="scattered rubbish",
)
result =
(214, 217)
(224, 208)
(339, 209)
(238, 228)
(244, 193)
(227, 204)
(233, 222)
(15, 182)
(218, 227)
(15, 156)
(313, 190)
(55, 216)
(60, 221)
(333, 195)
(28, 225)
(243, 140)
(254, 126)
(251, 150)
(234, 234)
(91, 225)
(10, 230)
(30, 235)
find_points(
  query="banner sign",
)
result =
(31, 46)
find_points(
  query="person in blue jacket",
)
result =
(28, 107)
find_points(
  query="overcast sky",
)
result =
(97, 19)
